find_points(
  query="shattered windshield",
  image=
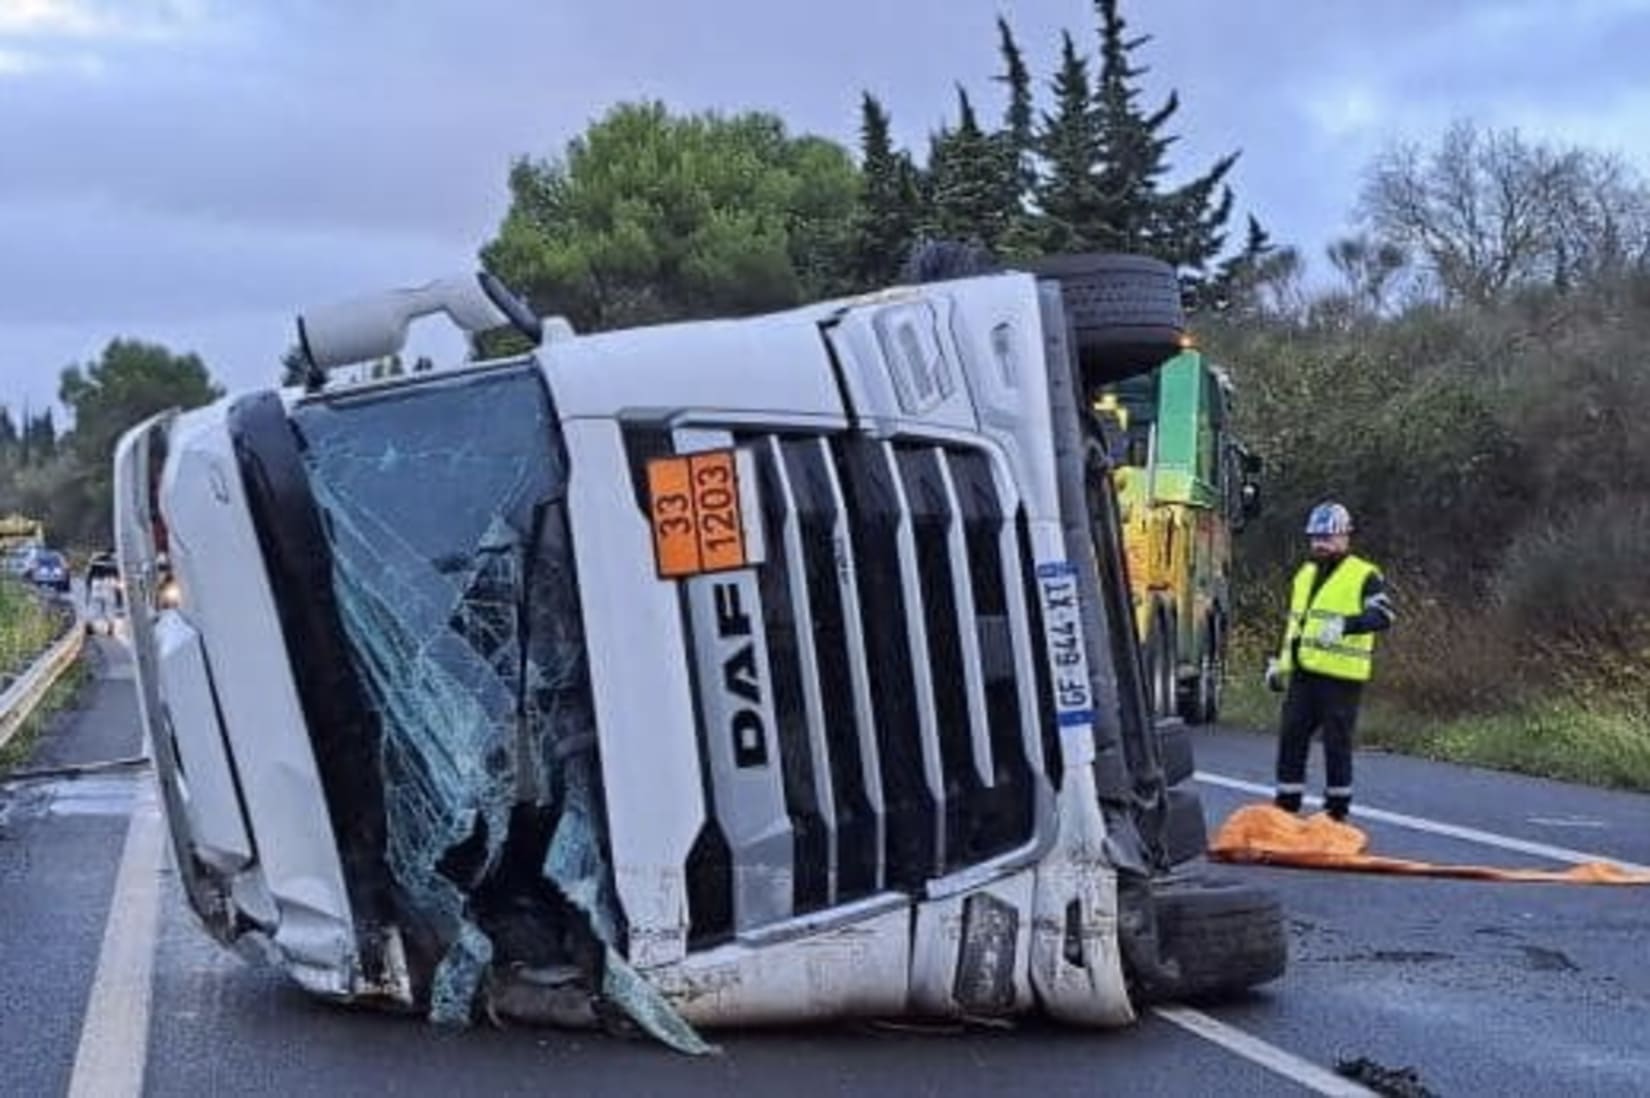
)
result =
(444, 507)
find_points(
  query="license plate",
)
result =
(1063, 632)
(697, 504)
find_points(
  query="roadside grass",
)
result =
(28, 626)
(1555, 737)
(60, 697)
(1597, 740)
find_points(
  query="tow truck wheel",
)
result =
(1158, 651)
(1202, 701)
(1168, 671)
(1215, 938)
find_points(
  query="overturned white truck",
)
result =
(735, 672)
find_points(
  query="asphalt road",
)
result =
(1483, 988)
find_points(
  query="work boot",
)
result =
(1289, 802)
(1338, 806)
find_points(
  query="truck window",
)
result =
(1138, 397)
(444, 506)
(1209, 424)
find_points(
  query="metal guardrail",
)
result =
(25, 693)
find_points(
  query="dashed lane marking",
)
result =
(1317, 1079)
(114, 1035)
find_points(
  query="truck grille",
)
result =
(905, 698)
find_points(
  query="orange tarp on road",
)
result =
(1260, 833)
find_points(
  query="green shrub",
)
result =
(1495, 460)
(1558, 738)
(1578, 582)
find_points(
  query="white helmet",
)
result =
(1327, 520)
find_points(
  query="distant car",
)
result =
(102, 566)
(50, 569)
(104, 592)
(20, 561)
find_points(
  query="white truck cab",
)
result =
(728, 672)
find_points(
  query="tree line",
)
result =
(1470, 369)
(1471, 385)
(65, 480)
(651, 216)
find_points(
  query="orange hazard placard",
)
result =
(694, 507)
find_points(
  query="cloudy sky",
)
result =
(192, 171)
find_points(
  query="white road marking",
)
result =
(1317, 1079)
(114, 1036)
(1437, 827)
(1567, 821)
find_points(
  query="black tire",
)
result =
(1174, 751)
(1216, 939)
(1154, 652)
(1168, 669)
(1126, 311)
(1185, 831)
(1202, 698)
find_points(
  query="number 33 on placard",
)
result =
(695, 509)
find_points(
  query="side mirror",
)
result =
(376, 327)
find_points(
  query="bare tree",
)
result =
(1487, 210)
(1369, 269)
(1603, 221)
(1279, 284)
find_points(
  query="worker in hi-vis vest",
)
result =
(1337, 604)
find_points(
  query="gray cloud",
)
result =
(193, 171)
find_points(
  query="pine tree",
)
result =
(890, 203)
(1019, 117)
(40, 438)
(1237, 273)
(1131, 152)
(1183, 226)
(1091, 173)
(8, 431)
(1192, 221)
(969, 196)
(1070, 146)
(1016, 147)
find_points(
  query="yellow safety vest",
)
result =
(1342, 595)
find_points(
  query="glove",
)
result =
(1276, 677)
(1332, 630)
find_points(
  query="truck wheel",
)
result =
(1204, 693)
(1215, 938)
(1169, 671)
(1158, 652)
(1148, 667)
(1125, 309)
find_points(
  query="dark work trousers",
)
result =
(1317, 703)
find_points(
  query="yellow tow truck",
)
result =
(1186, 485)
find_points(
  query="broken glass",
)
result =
(444, 507)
